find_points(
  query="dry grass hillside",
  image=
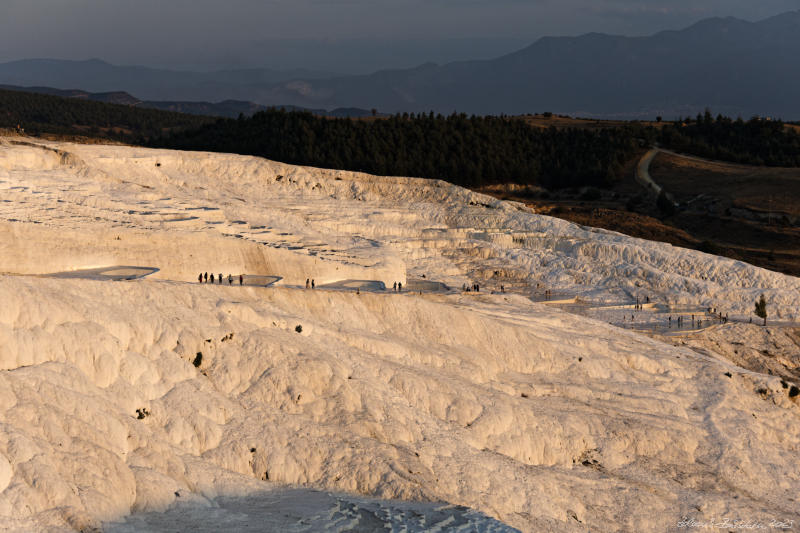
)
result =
(739, 211)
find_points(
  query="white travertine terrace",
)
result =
(540, 419)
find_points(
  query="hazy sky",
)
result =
(334, 35)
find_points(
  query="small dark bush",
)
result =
(794, 391)
(665, 204)
(591, 194)
(299, 329)
(633, 202)
(198, 359)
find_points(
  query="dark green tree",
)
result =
(761, 309)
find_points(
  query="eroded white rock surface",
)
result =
(538, 418)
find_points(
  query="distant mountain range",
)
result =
(150, 84)
(226, 108)
(730, 65)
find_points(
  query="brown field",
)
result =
(752, 211)
(761, 189)
(793, 127)
(558, 121)
(561, 121)
(746, 213)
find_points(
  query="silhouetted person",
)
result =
(308, 283)
(399, 286)
(230, 279)
(241, 279)
(313, 284)
(394, 287)
(200, 278)
(206, 276)
(220, 278)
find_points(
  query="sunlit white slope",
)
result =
(191, 212)
(541, 419)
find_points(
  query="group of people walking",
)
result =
(310, 284)
(475, 288)
(722, 318)
(398, 286)
(204, 278)
(698, 322)
(679, 320)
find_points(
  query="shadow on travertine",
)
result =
(417, 285)
(302, 510)
(127, 273)
(353, 284)
(379, 286)
(110, 273)
(258, 281)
